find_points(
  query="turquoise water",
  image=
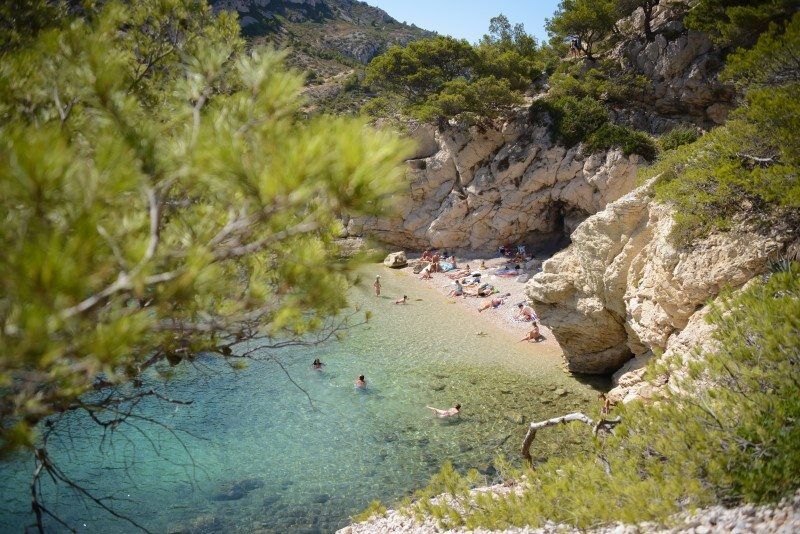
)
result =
(252, 454)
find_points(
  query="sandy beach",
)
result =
(501, 317)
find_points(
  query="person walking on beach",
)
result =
(444, 414)
(377, 286)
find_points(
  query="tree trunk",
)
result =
(602, 424)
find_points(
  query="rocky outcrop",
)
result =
(683, 66)
(478, 188)
(623, 290)
(396, 260)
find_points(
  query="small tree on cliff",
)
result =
(627, 7)
(158, 199)
(591, 21)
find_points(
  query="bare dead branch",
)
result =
(601, 425)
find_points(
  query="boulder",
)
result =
(395, 260)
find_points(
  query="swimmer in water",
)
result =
(361, 382)
(403, 300)
(444, 414)
(317, 365)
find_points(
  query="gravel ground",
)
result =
(781, 518)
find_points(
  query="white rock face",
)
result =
(478, 188)
(622, 290)
(396, 260)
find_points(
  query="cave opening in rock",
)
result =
(560, 220)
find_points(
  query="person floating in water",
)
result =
(361, 382)
(377, 286)
(403, 300)
(317, 365)
(444, 414)
(534, 335)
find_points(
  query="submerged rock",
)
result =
(233, 491)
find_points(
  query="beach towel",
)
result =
(446, 266)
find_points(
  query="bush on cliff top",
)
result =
(737, 440)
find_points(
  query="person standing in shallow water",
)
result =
(377, 286)
(361, 382)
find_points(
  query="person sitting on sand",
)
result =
(443, 414)
(534, 335)
(403, 300)
(457, 291)
(452, 261)
(426, 272)
(525, 313)
(377, 286)
(483, 265)
(435, 267)
(427, 255)
(493, 303)
(317, 365)
(361, 382)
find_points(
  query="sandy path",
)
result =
(501, 317)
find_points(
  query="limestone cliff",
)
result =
(623, 291)
(477, 188)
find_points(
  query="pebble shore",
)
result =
(783, 518)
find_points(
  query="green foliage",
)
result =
(422, 67)
(159, 198)
(602, 80)
(677, 137)
(574, 119)
(747, 167)
(772, 61)
(471, 102)
(629, 140)
(22, 20)
(738, 22)
(735, 438)
(592, 21)
(442, 78)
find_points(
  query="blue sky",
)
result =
(469, 19)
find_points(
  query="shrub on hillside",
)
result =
(677, 137)
(629, 140)
(573, 119)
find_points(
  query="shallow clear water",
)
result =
(308, 467)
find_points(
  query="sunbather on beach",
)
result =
(443, 414)
(457, 291)
(493, 303)
(534, 335)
